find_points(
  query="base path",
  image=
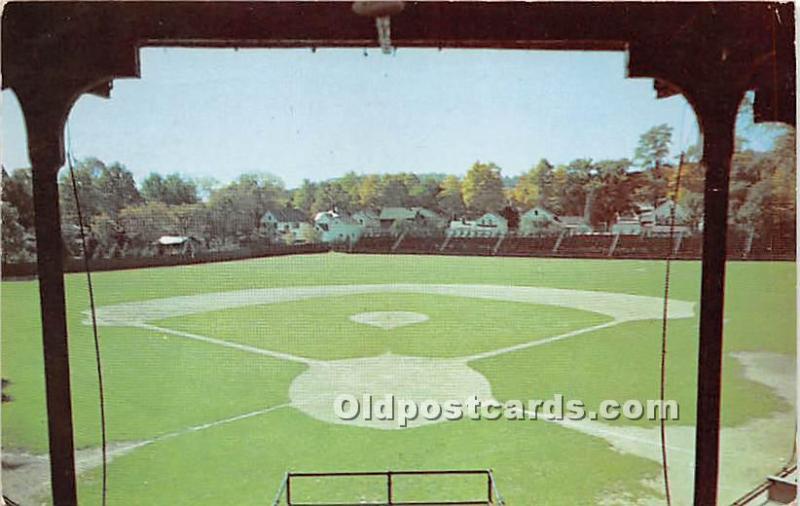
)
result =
(619, 306)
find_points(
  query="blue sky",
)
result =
(302, 114)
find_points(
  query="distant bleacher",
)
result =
(584, 246)
(373, 244)
(685, 247)
(644, 247)
(528, 245)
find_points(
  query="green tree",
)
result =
(611, 192)
(690, 194)
(17, 190)
(171, 190)
(92, 200)
(102, 189)
(653, 148)
(393, 191)
(369, 191)
(303, 197)
(651, 155)
(332, 195)
(106, 237)
(549, 195)
(762, 196)
(449, 200)
(118, 189)
(145, 223)
(576, 187)
(526, 193)
(558, 188)
(189, 219)
(243, 202)
(483, 188)
(350, 183)
(423, 192)
(206, 185)
(13, 235)
(654, 185)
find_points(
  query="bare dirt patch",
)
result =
(748, 453)
(416, 379)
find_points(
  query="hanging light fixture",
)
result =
(382, 12)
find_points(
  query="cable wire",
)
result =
(664, 329)
(97, 354)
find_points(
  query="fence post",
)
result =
(389, 488)
(489, 487)
(289, 489)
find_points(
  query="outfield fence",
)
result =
(597, 246)
(28, 269)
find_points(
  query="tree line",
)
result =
(126, 218)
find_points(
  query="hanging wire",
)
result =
(664, 329)
(97, 355)
(665, 314)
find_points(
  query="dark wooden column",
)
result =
(717, 114)
(45, 123)
(714, 82)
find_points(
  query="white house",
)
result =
(368, 219)
(538, 220)
(287, 224)
(645, 213)
(490, 224)
(575, 225)
(649, 220)
(663, 213)
(627, 225)
(335, 227)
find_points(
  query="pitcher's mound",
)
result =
(388, 320)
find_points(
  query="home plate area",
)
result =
(410, 379)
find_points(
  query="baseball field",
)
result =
(220, 378)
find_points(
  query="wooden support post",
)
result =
(718, 122)
(45, 146)
(558, 241)
(613, 246)
(446, 242)
(678, 244)
(498, 243)
(398, 241)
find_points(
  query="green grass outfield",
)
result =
(160, 385)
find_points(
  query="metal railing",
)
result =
(757, 492)
(493, 497)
